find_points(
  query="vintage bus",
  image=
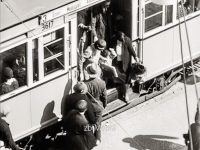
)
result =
(39, 41)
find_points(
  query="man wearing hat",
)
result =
(5, 133)
(79, 134)
(70, 101)
(93, 52)
(97, 90)
(10, 83)
(92, 55)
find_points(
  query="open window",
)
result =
(53, 51)
(13, 69)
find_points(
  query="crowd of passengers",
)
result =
(106, 30)
(109, 55)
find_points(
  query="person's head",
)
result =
(81, 106)
(92, 70)
(20, 61)
(105, 5)
(80, 87)
(120, 36)
(88, 53)
(8, 73)
(105, 53)
(100, 44)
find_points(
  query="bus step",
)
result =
(114, 105)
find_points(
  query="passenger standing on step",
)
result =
(97, 90)
(124, 49)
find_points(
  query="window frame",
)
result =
(22, 88)
(28, 41)
(175, 21)
(41, 60)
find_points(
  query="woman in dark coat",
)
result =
(79, 132)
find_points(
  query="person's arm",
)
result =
(103, 96)
(93, 27)
(130, 49)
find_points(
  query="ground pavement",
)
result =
(158, 124)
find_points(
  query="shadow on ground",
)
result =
(153, 142)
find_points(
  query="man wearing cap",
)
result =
(5, 133)
(79, 134)
(80, 90)
(97, 90)
(10, 83)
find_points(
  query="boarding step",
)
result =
(113, 106)
(114, 93)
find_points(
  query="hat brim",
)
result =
(100, 48)
(93, 75)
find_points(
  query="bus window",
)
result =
(153, 16)
(13, 68)
(53, 51)
(157, 15)
(168, 14)
(35, 60)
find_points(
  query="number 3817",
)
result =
(47, 25)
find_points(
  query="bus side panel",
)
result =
(162, 51)
(19, 117)
(46, 101)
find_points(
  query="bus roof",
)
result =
(21, 10)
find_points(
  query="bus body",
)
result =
(49, 41)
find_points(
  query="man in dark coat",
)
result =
(5, 133)
(97, 91)
(79, 132)
(80, 93)
(102, 22)
(124, 49)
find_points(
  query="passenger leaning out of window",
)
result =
(10, 83)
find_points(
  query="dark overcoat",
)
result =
(128, 51)
(79, 134)
(70, 102)
(97, 88)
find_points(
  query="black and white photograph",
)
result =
(99, 75)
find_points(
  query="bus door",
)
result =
(71, 43)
